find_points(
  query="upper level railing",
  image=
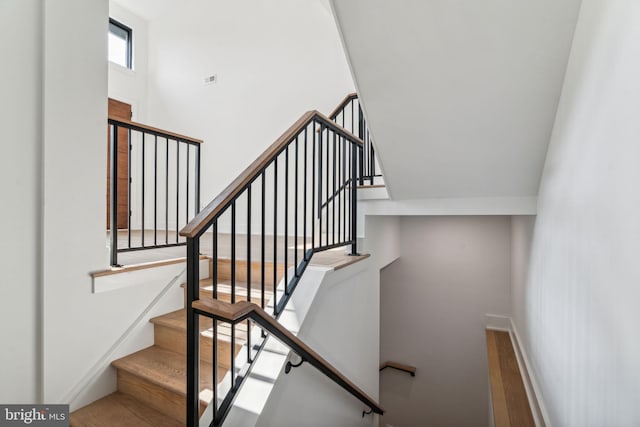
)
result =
(153, 188)
(298, 198)
(349, 115)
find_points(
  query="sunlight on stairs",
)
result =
(152, 381)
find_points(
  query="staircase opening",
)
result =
(296, 202)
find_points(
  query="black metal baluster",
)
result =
(304, 211)
(233, 290)
(369, 158)
(361, 136)
(129, 181)
(186, 217)
(177, 188)
(351, 183)
(113, 196)
(372, 156)
(275, 235)
(142, 183)
(326, 200)
(334, 194)
(262, 243)
(232, 363)
(193, 332)
(155, 191)
(344, 190)
(249, 269)
(340, 186)
(353, 106)
(354, 201)
(295, 215)
(233, 252)
(197, 183)
(320, 187)
(214, 362)
(214, 259)
(313, 187)
(166, 195)
(286, 219)
(365, 151)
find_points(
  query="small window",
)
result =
(119, 43)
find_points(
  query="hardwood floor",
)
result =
(509, 398)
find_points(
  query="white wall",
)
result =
(130, 85)
(343, 327)
(79, 326)
(452, 271)
(20, 173)
(580, 317)
(382, 239)
(522, 227)
(75, 108)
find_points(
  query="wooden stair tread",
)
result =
(178, 320)
(164, 368)
(119, 409)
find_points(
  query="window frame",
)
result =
(129, 32)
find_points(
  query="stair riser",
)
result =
(176, 340)
(224, 271)
(240, 296)
(169, 403)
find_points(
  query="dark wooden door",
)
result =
(120, 111)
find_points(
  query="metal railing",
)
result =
(236, 313)
(349, 115)
(154, 187)
(302, 191)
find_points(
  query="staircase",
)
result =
(152, 382)
(304, 190)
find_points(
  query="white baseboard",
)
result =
(497, 322)
(538, 409)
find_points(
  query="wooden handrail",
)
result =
(347, 99)
(150, 129)
(201, 221)
(400, 367)
(234, 313)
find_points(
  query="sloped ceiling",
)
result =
(460, 95)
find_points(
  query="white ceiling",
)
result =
(460, 95)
